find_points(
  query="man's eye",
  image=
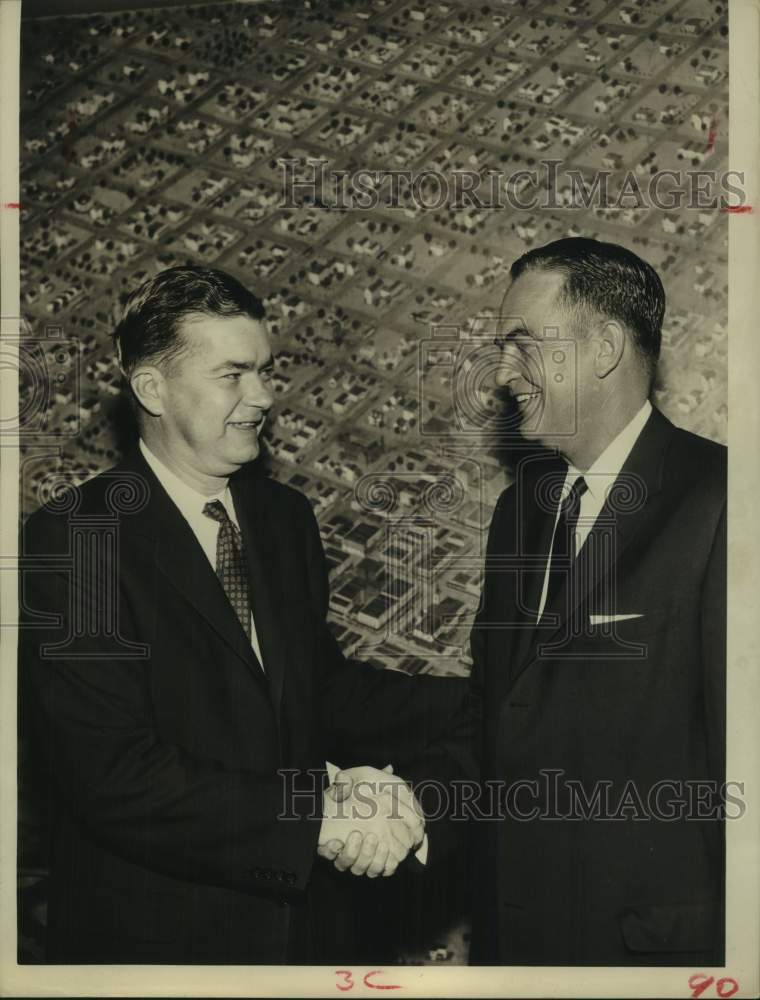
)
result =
(506, 340)
(518, 338)
(232, 375)
(266, 373)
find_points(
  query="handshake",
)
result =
(371, 821)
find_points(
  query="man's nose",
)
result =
(507, 366)
(257, 393)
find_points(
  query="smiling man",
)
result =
(202, 409)
(596, 718)
(184, 690)
(204, 419)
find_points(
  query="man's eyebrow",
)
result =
(517, 330)
(244, 366)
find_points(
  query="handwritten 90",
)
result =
(725, 987)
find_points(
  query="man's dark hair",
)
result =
(607, 280)
(149, 329)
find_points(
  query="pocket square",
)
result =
(608, 619)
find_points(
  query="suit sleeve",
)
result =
(713, 624)
(451, 767)
(140, 797)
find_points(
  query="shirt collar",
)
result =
(605, 470)
(189, 501)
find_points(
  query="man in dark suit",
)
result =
(596, 719)
(184, 690)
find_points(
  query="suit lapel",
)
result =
(633, 503)
(262, 540)
(180, 558)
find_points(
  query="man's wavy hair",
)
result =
(149, 330)
(604, 280)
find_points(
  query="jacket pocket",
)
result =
(647, 623)
(670, 927)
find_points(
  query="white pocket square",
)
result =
(607, 619)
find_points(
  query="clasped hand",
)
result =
(371, 821)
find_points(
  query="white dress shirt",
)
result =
(190, 504)
(599, 478)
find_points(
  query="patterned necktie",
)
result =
(563, 547)
(230, 563)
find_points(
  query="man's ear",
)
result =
(147, 383)
(610, 345)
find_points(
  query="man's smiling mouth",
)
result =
(523, 397)
(247, 425)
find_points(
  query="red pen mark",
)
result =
(698, 983)
(724, 988)
(11, 204)
(738, 209)
(378, 986)
(348, 981)
(712, 134)
(723, 991)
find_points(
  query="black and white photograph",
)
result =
(379, 458)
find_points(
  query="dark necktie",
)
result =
(563, 548)
(230, 563)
